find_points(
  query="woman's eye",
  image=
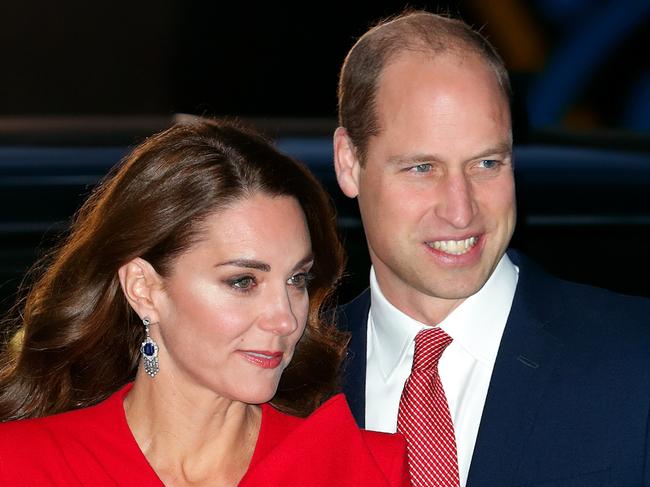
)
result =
(300, 280)
(243, 283)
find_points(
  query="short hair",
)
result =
(414, 31)
(79, 339)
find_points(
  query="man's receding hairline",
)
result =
(432, 55)
(458, 49)
(412, 31)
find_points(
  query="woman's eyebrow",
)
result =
(246, 263)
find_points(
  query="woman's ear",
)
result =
(141, 284)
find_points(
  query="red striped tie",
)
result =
(424, 417)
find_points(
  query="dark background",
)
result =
(584, 61)
(82, 82)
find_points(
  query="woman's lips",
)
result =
(262, 358)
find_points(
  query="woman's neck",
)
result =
(191, 436)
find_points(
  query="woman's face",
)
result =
(235, 304)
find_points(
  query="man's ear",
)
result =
(140, 283)
(346, 163)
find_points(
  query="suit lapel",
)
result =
(353, 318)
(527, 357)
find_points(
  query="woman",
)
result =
(207, 257)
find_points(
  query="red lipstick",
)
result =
(263, 358)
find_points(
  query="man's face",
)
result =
(436, 192)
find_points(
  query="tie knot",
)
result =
(429, 345)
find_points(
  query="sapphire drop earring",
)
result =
(149, 351)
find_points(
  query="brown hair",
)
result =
(76, 340)
(417, 31)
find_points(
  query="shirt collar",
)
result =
(476, 325)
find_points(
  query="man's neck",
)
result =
(426, 309)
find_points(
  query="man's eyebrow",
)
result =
(411, 158)
(417, 158)
(247, 264)
(500, 149)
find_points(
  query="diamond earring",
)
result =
(149, 351)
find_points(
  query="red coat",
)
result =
(94, 446)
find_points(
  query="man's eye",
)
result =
(488, 163)
(424, 167)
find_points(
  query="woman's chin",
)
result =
(257, 395)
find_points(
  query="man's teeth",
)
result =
(455, 247)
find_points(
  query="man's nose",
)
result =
(456, 204)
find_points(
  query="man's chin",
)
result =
(455, 289)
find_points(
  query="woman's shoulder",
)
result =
(28, 445)
(390, 452)
(327, 448)
(387, 449)
(386, 442)
(62, 425)
(335, 411)
(62, 449)
(68, 424)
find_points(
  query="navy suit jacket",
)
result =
(569, 398)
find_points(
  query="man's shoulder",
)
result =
(580, 312)
(604, 312)
(574, 294)
(600, 298)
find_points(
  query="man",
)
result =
(545, 382)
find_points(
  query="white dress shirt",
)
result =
(465, 367)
